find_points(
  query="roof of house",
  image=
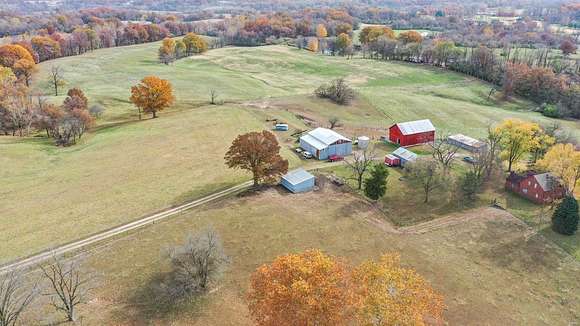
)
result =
(547, 181)
(297, 176)
(321, 138)
(405, 154)
(391, 157)
(415, 127)
(467, 140)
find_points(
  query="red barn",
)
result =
(412, 133)
(539, 188)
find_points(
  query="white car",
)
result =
(306, 155)
(298, 150)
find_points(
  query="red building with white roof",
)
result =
(539, 188)
(412, 133)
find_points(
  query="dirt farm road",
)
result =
(76, 245)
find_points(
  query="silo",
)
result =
(363, 142)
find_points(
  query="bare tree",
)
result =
(15, 297)
(56, 79)
(213, 96)
(333, 122)
(195, 265)
(444, 152)
(426, 174)
(68, 286)
(360, 164)
(493, 148)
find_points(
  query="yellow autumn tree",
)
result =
(312, 44)
(371, 34)
(321, 31)
(309, 288)
(152, 95)
(517, 138)
(563, 160)
(393, 295)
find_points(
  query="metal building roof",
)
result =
(467, 140)
(415, 127)
(547, 181)
(297, 176)
(321, 138)
(405, 154)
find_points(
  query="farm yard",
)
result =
(126, 168)
(491, 268)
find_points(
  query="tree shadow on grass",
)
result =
(149, 304)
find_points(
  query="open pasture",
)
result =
(127, 168)
(491, 268)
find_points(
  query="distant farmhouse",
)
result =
(540, 188)
(470, 144)
(322, 143)
(412, 133)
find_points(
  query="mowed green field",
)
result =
(127, 168)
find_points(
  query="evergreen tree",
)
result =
(376, 184)
(470, 184)
(565, 218)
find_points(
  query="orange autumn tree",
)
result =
(259, 153)
(152, 95)
(393, 295)
(312, 44)
(410, 37)
(309, 288)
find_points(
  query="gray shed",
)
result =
(405, 155)
(470, 144)
(298, 180)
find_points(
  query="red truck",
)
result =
(335, 158)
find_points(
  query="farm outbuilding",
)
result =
(470, 144)
(392, 160)
(412, 133)
(322, 143)
(298, 180)
(540, 188)
(405, 156)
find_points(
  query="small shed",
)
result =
(470, 144)
(298, 180)
(363, 142)
(392, 160)
(322, 143)
(405, 155)
(412, 133)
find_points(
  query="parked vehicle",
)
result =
(306, 155)
(470, 160)
(335, 158)
(298, 150)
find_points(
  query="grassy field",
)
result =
(490, 268)
(126, 168)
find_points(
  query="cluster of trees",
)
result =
(22, 112)
(191, 44)
(312, 288)
(536, 76)
(337, 91)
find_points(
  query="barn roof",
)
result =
(405, 154)
(297, 176)
(467, 140)
(321, 138)
(415, 127)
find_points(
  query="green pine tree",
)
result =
(376, 183)
(565, 218)
(470, 184)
